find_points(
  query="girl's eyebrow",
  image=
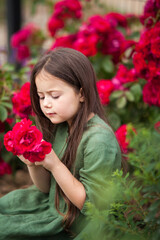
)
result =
(49, 91)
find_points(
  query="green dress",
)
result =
(30, 214)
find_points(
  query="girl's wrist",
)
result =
(31, 166)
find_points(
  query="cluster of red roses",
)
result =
(105, 88)
(22, 102)
(26, 140)
(146, 60)
(147, 57)
(63, 10)
(24, 38)
(124, 76)
(99, 34)
(151, 9)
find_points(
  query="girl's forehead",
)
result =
(45, 76)
(47, 82)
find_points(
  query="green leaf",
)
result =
(7, 105)
(108, 65)
(137, 91)
(121, 102)
(8, 67)
(116, 94)
(3, 113)
(155, 206)
(129, 96)
(5, 98)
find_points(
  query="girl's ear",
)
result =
(82, 98)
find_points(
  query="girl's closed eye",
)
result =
(41, 97)
(55, 97)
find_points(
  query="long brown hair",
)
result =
(75, 69)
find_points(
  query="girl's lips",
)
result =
(50, 114)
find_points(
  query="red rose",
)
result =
(38, 152)
(23, 52)
(151, 92)
(121, 135)
(150, 12)
(20, 37)
(113, 44)
(54, 24)
(86, 45)
(65, 41)
(123, 76)
(9, 142)
(27, 138)
(22, 102)
(140, 64)
(100, 24)
(116, 19)
(68, 9)
(104, 87)
(155, 46)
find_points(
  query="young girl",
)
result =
(69, 114)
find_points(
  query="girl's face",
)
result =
(58, 100)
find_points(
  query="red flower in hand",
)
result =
(9, 142)
(27, 140)
(38, 152)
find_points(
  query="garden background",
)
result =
(123, 43)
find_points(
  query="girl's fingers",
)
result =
(38, 163)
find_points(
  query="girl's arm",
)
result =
(72, 188)
(39, 175)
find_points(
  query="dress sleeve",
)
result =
(101, 157)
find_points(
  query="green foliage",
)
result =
(132, 208)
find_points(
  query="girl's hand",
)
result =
(49, 161)
(27, 162)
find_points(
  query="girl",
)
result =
(69, 114)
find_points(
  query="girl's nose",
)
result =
(47, 102)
